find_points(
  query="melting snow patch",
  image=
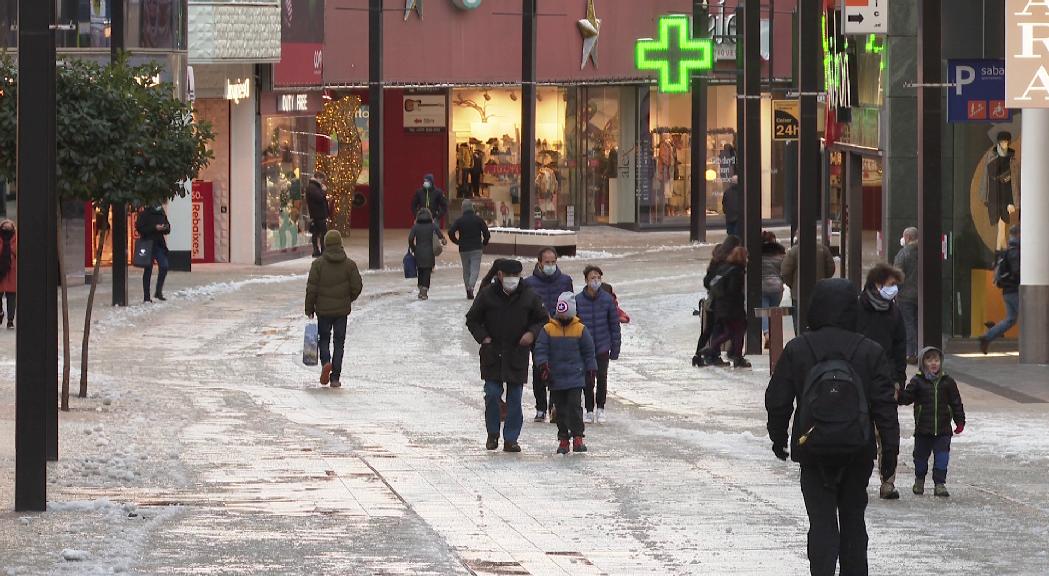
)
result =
(71, 555)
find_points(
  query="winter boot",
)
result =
(941, 491)
(160, 296)
(540, 416)
(562, 447)
(740, 362)
(577, 444)
(492, 443)
(698, 361)
(717, 361)
(919, 486)
(511, 447)
(326, 374)
(469, 294)
(335, 383)
(422, 293)
(888, 491)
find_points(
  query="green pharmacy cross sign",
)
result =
(675, 54)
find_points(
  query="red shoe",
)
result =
(326, 374)
(577, 444)
(562, 448)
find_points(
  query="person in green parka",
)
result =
(333, 285)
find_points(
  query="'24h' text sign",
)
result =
(1027, 53)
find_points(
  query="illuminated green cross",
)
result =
(675, 54)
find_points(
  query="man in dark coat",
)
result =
(152, 224)
(505, 320)
(548, 282)
(317, 203)
(879, 319)
(471, 234)
(833, 493)
(333, 285)
(732, 206)
(907, 261)
(432, 198)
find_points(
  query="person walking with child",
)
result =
(936, 402)
(599, 313)
(565, 356)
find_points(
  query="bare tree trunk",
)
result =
(65, 309)
(102, 223)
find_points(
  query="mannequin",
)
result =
(1002, 194)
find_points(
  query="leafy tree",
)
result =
(122, 138)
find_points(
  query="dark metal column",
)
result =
(752, 167)
(852, 231)
(808, 153)
(53, 271)
(37, 245)
(698, 222)
(528, 27)
(930, 196)
(119, 232)
(375, 126)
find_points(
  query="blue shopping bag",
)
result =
(410, 268)
(311, 345)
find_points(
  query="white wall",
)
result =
(243, 175)
(180, 214)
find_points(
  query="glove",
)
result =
(591, 377)
(959, 429)
(780, 451)
(544, 372)
(613, 356)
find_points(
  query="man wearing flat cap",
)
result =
(505, 319)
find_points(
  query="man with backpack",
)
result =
(1007, 279)
(841, 384)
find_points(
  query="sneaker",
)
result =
(10, 325)
(562, 447)
(511, 447)
(540, 416)
(919, 486)
(741, 362)
(326, 373)
(577, 444)
(492, 443)
(698, 361)
(335, 383)
(888, 491)
(589, 418)
(941, 491)
(160, 297)
(600, 416)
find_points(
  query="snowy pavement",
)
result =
(207, 448)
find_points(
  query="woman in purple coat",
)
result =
(599, 313)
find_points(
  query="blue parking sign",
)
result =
(977, 91)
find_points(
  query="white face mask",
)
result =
(549, 269)
(889, 292)
(510, 283)
(426, 184)
(903, 241)
(595, 285)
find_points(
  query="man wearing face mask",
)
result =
(879, 319)
(907, 261)
(505, 320)
(432, 198)
(548, 282)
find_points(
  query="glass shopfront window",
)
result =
(287, 164)
(602, 133)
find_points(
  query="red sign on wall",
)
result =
(202, 220)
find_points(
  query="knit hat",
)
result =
(468, 206)
(508, 266)
(566, 305)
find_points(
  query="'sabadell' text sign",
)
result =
(1027, 53)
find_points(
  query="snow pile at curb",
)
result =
(71, 555)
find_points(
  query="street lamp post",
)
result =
(119, 210)
(528, 30)
(808, 154)
(698, 220)
(930, 196)
(375, 127)
(752, 166)
(38, 242)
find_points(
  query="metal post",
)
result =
(375, 127)
(36, 184)
(930, 197)
(698, 187)
(808, 153)
(739, 169)
(52, 269)
(853, 230)
(528, 28)
(752, 166)
(119, 211)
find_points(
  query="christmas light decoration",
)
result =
(344, 161)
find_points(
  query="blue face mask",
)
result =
(889, 292)
(549, 269)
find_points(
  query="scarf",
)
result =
(876, 301)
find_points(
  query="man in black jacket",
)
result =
(880, 320)
(1006, 278)
(317, 203)
(152, 224)
(833, 492)
(505, 319)
(471, 234)
(431, 197)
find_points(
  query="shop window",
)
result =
(286, 167)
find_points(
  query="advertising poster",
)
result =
(301, 43)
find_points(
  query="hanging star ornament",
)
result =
(590, 29)
(413, 5)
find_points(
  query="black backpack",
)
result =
(1004, 276)
(834, 421)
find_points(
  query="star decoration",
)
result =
(590, 29)
(413, 5)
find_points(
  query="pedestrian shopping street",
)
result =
(206, 447)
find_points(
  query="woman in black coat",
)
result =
(729, 290)
(152, 224)
(710, 325)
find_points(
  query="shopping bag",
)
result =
(311, 345)
(410, 269)
(143, 253)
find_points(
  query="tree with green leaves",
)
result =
(122, 138)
